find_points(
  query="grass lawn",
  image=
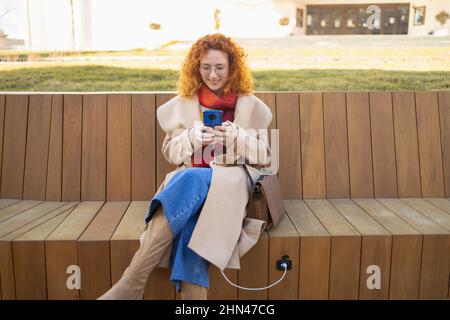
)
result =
(107, 78)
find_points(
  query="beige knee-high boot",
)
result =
(191, 291)
(157, 240)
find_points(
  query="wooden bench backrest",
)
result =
(81, 147)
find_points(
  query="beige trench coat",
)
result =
(222, 234)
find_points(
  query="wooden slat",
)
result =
(312, 145)
(7, 202)
(430, 152)
(375, 248)
(219, 288)
(406, 250)
(315, 246)
(365, 225)
(284, 240)
(143, 137)
(434, 280)
(7, 271)
(14, 139)
(39, 114)
(162, 166)
(6, 256)
(132, 224)
(93, 157)
(383, 144)
(336, 145)
(16, 208)
(119, 148)
(345, 250)
(29, 255)
(444, 116)
(2, 123)
(443, 219)
(427, 209)
(405, 267)
(29, 227)
(359, 146)
(254, 272)
(28, 216)
(54, 171)
(435, 251)
(4, 203)
(288, 122)
(270, 100)
(76, 223)
(29, 259)
(441, 203)
(94, 250)
(406, 147)
(61, 249)
(71, 163)
(413, 217)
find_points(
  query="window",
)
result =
(353, 19)
(419, 15)
(352, 15)
(299, 22)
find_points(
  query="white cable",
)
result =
(284, 265)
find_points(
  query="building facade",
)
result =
(328, 17)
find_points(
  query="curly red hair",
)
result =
(240, 79)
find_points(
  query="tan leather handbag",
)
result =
(266, 201)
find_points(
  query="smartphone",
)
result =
(212, 118)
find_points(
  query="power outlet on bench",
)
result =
(284, 259)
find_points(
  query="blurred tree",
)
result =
(154, 26)
(442, 17)
(284, 21)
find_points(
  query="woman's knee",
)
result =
(193, 175)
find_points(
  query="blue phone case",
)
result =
(212, 118)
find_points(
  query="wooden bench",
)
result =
(365, 175)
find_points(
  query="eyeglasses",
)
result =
(219, 69)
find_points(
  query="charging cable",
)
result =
(284, 265)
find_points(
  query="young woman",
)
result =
(197, 216)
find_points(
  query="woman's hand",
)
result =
(204, 134)
(226, 133)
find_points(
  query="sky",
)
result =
(123, 24)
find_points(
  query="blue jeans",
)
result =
(182, 200)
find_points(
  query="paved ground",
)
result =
(386, 52)
(324, 41)
(342, 41)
